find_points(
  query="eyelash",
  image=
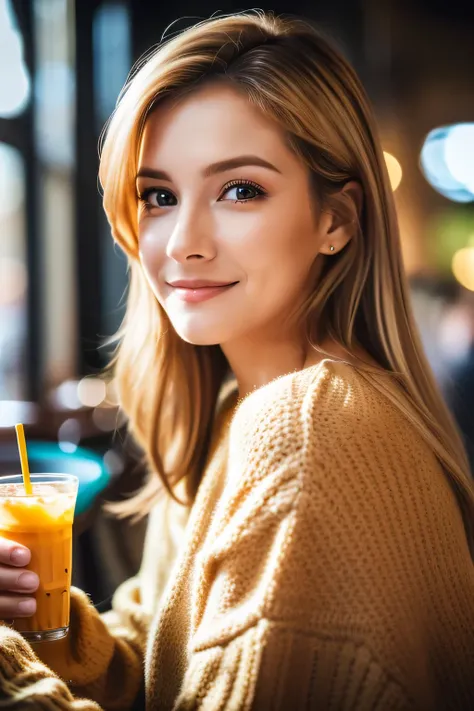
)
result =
(244, 183)
(261, 193)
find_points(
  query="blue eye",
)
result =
(153, 198)
(157, 197)
(243, 191)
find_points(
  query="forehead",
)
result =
(208, 125)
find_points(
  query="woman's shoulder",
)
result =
(336, 421)
(331, 394)
(344, 443)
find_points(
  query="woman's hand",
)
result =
(16, 583)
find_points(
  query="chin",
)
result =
(200, 335)
(199, 340)
(209, 329)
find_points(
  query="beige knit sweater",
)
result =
(324, 565)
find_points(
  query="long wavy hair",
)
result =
(169, 388)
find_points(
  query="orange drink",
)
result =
(43, 523)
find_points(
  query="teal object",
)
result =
(89, 467)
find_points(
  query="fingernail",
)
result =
(19, 556)
(28, 581)
(27, 606)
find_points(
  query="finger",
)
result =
(17, 579)
(13, 606)
(12, 553)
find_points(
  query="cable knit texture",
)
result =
(323, 565)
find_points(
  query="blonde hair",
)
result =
(169, 388)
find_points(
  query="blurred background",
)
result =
(63, 282)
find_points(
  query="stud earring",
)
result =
(332, 248)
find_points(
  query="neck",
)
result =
(256, 361)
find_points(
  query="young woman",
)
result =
(310, 535)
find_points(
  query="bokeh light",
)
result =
(463, 266)
(112, 399)
(394, 170)
(15, 85)
(65, 396)
(447, 161)
(69, 435)
(91, 391)
(113, 462)
(108, 419)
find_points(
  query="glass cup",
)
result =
(43, 523)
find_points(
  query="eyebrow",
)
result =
(214, 168)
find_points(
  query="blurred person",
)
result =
(458, 337)
(443, 341)
(310, 536)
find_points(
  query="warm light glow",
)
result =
(112, 395)
(463, 267)
(91, 391)
(394, 170)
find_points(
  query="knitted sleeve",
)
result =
(100, 659)
(27, 683)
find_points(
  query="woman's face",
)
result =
(227, 226)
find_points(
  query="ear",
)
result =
(339, 222)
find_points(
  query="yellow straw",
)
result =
(20, 436)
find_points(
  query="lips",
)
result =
(199, 290)
(198, 283)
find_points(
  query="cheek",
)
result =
(152, 254)
(279, 244)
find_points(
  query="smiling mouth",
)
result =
(195, 295)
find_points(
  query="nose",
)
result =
(192, 236)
